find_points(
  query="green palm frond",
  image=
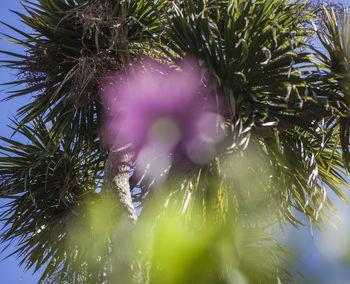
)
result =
(267, 78)
(45, 184)
(335, 59)
(74, 46)
(251, 49)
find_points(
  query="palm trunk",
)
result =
(119, 163)
(116, 182)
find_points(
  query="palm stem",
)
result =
(119, 163)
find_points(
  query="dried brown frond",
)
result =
(97, 15)
(38, 64)
(90, 15)
(88, 75)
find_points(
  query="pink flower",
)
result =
(161, 111)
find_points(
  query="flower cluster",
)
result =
(161, 112)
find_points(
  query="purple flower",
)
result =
(161, 111)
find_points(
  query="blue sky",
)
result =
(10, 272)
(321, 256)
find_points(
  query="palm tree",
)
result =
(284, 109)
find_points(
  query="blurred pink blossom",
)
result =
(161, 112)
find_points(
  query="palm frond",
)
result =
(45, 184)
(74, 46)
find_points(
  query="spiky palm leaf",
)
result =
(335, 60)
(46, 183)
(74, 44)
(270, 86)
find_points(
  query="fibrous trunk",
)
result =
(116, 182)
